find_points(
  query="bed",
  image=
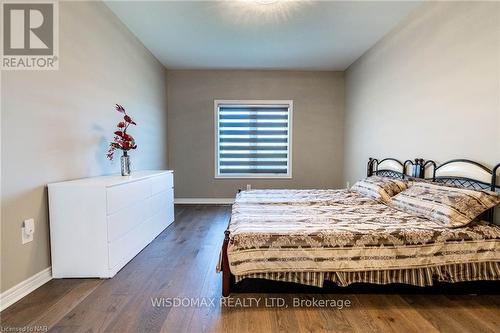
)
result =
(310, 236)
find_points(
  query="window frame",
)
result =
(288, 103)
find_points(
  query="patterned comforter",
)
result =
(273, 232)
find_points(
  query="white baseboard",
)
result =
(14, 294)
(204, 201)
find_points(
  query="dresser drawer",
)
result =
(129, 245)
(125, 195)
(161, 202)
(162, 183)
(157, 224)
(124, 220)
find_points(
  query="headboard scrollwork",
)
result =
(464, 173)
(391, 167)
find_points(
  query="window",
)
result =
(253, 139)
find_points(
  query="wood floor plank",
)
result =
(70, 300)
(357, 316)
(203, 260)
(394, 314)
(203, 319)
(465, 314)
(181, 262)
(36, 303)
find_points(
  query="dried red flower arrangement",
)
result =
(122, 140)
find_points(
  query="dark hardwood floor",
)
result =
(180, 263)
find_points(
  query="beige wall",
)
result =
(318, 113)
(430, 89)
(56, 124)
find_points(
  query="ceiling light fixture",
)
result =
(257, 12)
(266, 2)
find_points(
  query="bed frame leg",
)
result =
(227, 277)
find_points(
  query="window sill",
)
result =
(253, 177)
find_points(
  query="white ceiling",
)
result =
(261, 34)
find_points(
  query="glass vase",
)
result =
(125, 164)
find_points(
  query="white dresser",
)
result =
(97, 225)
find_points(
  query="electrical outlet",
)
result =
(249, 187)
(27, 231)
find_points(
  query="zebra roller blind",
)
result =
(253, 140)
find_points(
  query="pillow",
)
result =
(452, 206)
(380, 188)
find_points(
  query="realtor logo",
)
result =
(29, 36)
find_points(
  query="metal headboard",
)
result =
(464, 173)
(391, 167)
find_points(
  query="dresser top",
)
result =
(112, 180)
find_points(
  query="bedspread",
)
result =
(276, 231)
